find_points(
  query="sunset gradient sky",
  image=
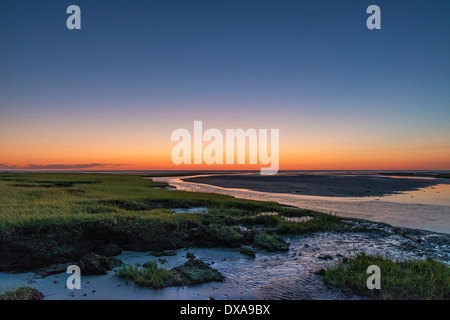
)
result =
(108, 96)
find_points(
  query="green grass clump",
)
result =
(223, 235)
(195, 272)
(319, 222)
(414, 280)
(248, 251)
(152, 275)
(269, 242)
(192, 272)
(21, 293)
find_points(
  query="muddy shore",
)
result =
(320, 185)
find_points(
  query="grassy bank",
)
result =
(59, 217)
(416, 280)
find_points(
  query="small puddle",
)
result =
(290, 219)
(191, 210)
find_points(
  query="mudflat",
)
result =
(327, 185)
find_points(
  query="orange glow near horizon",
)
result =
(301, 160)
(136, 145)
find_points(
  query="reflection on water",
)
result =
(427, 208)
(437, 195)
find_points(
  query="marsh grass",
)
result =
(415, 280)
(270, 242)
(20, 293)
(319, 222)
(40, 199)
(73, 198)
(152, 275)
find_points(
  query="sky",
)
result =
(108, 96)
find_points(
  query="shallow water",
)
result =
(434, 195)
(287, 275)
(427, 208)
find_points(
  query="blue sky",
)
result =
(234, 63)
